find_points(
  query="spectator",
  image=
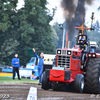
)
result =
(16, 65)
(40, 64)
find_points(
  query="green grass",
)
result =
(10, 80)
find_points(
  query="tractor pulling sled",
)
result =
(79, 66)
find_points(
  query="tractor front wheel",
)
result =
(79, 83)
(45, 82)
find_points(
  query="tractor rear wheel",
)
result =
(45, 82)
(57, 86)
(92, 79)
(79, 83)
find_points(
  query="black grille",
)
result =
(64, 61)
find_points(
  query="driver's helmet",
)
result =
(82, 38)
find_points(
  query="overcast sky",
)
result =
(59, 12)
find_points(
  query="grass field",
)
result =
(10, 80)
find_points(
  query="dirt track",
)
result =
(20, 92)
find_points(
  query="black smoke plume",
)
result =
(74, 14)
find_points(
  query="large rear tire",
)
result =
(57, 86)
(45, 82)
(92, 79)
(79, 83)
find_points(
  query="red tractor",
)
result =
(79, 65)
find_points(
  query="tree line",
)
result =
(25, 28)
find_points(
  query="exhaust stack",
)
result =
(69, 44)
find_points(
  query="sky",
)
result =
(93, 8)
(59, 12)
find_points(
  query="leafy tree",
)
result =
(95, 34)
(25, 28)
(7, 41)
(59, 34)
(96, 26)
(55, 37)
(34, 29)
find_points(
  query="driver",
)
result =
(82, 40)
(84, 49)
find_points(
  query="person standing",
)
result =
(40, 64)
(16, 65)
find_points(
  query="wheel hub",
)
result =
(82, 84)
